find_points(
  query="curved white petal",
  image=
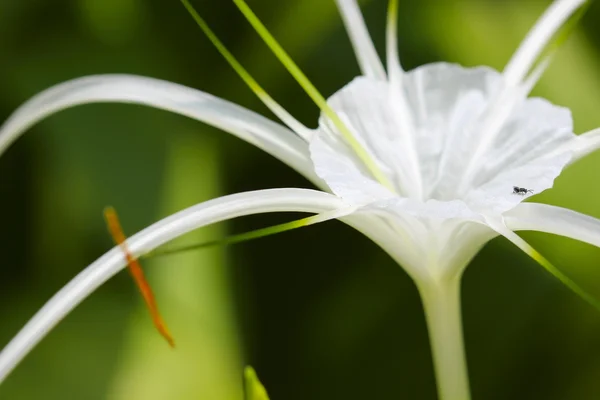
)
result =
(367, 57)
(555, 220)
(254, 128)
(584, 144)
(574, 222)
(581, 145)
(227, 207)
(537, 39)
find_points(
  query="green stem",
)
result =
(441, 302)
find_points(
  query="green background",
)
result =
(321, 313)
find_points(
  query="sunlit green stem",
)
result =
(441, 302)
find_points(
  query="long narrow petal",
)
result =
(585, 144)
(555, 220)
(254, 128)
(273, 200)
(538, 37)
(503, 229)
(581, 145)
(367, 57)
(391, 42)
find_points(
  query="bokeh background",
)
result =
(321, 313)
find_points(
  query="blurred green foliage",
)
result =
(321, 313)
(253, 389)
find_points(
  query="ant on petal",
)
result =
(521, 191)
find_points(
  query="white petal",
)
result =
(368, 109)
(402, 113)
(358, 104)
(555, 220)
(585, 144)
(274, 200)
(537, 39)
(502, 227)
(453, 103)
(442, 99)
(335, 163)
(447, 104)
(430, 209)
(447, 100)
(393, 60)
(367, 57)
(581, 145)
(517, 82)
(265, 134)
(520, 156)
(498, 111)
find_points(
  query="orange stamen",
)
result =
(114, 227)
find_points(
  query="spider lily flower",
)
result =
(422, 162)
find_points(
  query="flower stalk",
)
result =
(441, 303)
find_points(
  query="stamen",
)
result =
(255, 234)
(267, 100)
(568, 282)
(548, 266)
(114, 227)
(313, 93)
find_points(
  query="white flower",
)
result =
(422, 162)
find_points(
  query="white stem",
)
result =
(441, 302)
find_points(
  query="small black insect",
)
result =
(521, 191)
